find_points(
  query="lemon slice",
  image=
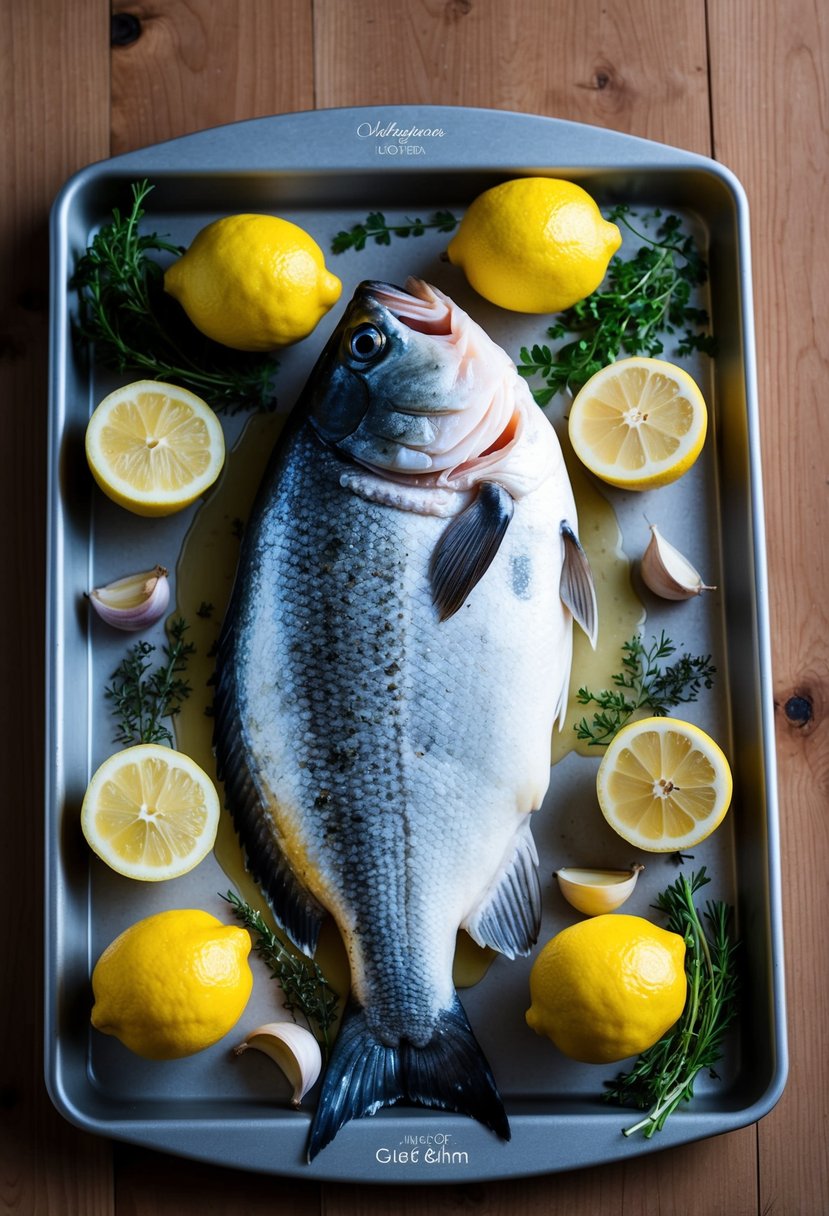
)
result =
(663, 784)
(153, 447)
(150, 812)
(638, 423)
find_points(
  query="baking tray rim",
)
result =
(610, 150)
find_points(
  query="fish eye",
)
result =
(366, 342)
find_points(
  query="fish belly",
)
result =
(395, 757)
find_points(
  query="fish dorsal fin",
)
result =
(578, 593)
(509, 915)
(465, 550)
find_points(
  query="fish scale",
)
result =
(381, 763)
(406, 759)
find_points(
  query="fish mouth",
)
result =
(468, 434)
(417, 305)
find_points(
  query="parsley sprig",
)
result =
(374, 228)
(303, 983)
(643, 683)
(142, 697)
(663, 1076)
(135, 327)
(643, 299)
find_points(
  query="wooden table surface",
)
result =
(745, 81)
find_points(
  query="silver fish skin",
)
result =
(381, 757)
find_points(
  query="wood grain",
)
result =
(770, 87)
(663, 1185)
(635, 67)
(52, 122)
(197, 64)
(153, 1184)
(632, 66)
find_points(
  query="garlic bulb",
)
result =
(596, 891)
(293, 1048)
(134, 602)
(667, 572)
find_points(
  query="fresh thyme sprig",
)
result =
(134, 327)
(375, 228)
(644, 298)
(663, 1076)
(304, 986)
(142, 698)
(643, 683)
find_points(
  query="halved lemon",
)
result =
(663, 784)
(150, 812)
(154, 447)
(638, 423)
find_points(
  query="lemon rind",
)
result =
(154, 500)
(141, 871)
(657, 473)
(710, 748)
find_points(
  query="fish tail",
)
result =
(450, 1072)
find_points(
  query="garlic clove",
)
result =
(135, 602)
(293, 1048)
(597, 891)
(667, 572)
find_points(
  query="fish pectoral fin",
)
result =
(464, 552)
(577, 591)
(449, 1072)
(509, 915)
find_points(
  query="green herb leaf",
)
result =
(663, 1076)
(643, 683)
(142, 698)
(644, 298)
(304, 986)
(135, 327)
(374, 228)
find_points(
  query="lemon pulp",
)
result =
(663, 784)
(639, 423)
(150, 813)
(154, 447)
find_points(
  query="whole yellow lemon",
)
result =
(608, 988)
(253, 282)
(173, 983)
(534, 244)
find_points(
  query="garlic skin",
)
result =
(595, 892)
(134, 602)
(293, 1048)
(667, 572)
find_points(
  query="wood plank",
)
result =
(634, 66)
(769, 86)
(54, 96)
(634, 1188)
(198, 64)
(631, 65)
(153, 1184)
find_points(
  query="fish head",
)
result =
(410, 386)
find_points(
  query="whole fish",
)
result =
(394, 656)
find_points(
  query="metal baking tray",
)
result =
(325, 170)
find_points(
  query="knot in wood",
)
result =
(799, 710)
(455, 9)
(124, 29)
